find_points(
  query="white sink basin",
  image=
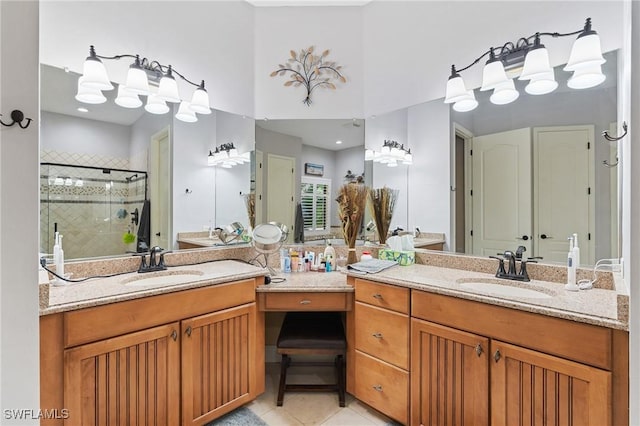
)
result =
(500, 289)
(163, 278)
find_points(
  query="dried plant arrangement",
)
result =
(250, 204)
(352, 199)
(382, 203)
(310, 71)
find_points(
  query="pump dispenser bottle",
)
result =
(571, 268)
(576, 250)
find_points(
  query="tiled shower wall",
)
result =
(94, 217)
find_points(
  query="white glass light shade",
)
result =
(95, 75)
(493, 75)
(210, 159)
(58, 181)
(246, 157)
(185, 113)
(79, 183)
(68, 182)
(467, 104)
(127, 99)
(368, 155)
(155, 105)
(168, 89)
(137, 81)
(226, 165)
(536, 63)
(392, 163)
(456, 90)
(89, 95)
(542, 84)
(504, 94)
(584, 78)
(200, 102)
(408, 159)
(585, 52)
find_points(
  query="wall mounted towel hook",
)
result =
(188, 191)
(610, 165)
(605, 134)
(18, 117)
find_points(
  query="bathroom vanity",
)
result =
(425, 344)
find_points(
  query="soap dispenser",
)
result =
(571, 268)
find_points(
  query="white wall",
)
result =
(65, 133)
(429, 183)
(409, 46)
(204, 40)
(19, 224)
(281, 29)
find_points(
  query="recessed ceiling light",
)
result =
(338, 142)
(81, 109)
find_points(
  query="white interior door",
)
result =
(502, 192)
(160, 189)
(562, 186)
(280, 189)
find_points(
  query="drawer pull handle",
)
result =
(497, 356)
(305, 302)
(479, 350)
(188, 331)
(377, 335)
(377, 296)
(174, 335)
(377, 388)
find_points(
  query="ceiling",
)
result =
(320, 133)
(280, 3)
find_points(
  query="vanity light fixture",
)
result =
(143, 76)
(391, 154)
(529, 56)
(227, 156)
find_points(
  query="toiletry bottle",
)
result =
(294, 261)
(576, 250)
(56, 249)
(328, 264)
(366, 256)
(60, 264)
(330, 251)
(287, 264)
(571, 269)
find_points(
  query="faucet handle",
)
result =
(501, 270)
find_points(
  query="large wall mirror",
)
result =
(100, 163)
(536, 168)
(304, 162)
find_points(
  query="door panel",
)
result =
(280, 189)
(502, 192)
(561, 190)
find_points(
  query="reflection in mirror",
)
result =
(185, 194)
(304, 165)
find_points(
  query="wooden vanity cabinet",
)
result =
(178, 358)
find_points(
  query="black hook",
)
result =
(17, 116)
(605, 134)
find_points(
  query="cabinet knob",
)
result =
(377, 335)
(497, 356)
(377, 296)
(174, 335)
(188, 331)
(305, 302)
(479, 350)
(377, 388)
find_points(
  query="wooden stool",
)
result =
(312, 333)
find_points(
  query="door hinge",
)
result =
(471, 192)
(588, 145)
(589, 190)
(260, 165)
(292, 170)
(472, 232)
(471, 152)
(260, 197)
(589, 236)
(291, 198)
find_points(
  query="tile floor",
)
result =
(311, 408)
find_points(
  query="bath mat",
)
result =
(239, 417)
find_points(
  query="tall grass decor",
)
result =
(352, 199)
(382, 202)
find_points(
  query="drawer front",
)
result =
(383, 295)
(305, 301)
(382, 386)
(383, 334)
(584, 343)
(101, 322)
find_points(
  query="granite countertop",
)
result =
(308, 281)
(101, 291)
(595, 306)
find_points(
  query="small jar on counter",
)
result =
(365, 256)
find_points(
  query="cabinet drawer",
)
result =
(382, 386)
(383, 334)
(585, 343)
(305, 301)
(383, 295)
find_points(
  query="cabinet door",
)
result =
(218, 363)
(449, 376)
(128, 380)
(532, 388)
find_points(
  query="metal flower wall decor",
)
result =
(310, 71)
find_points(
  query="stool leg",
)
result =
(340, 377)
(284, 363)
